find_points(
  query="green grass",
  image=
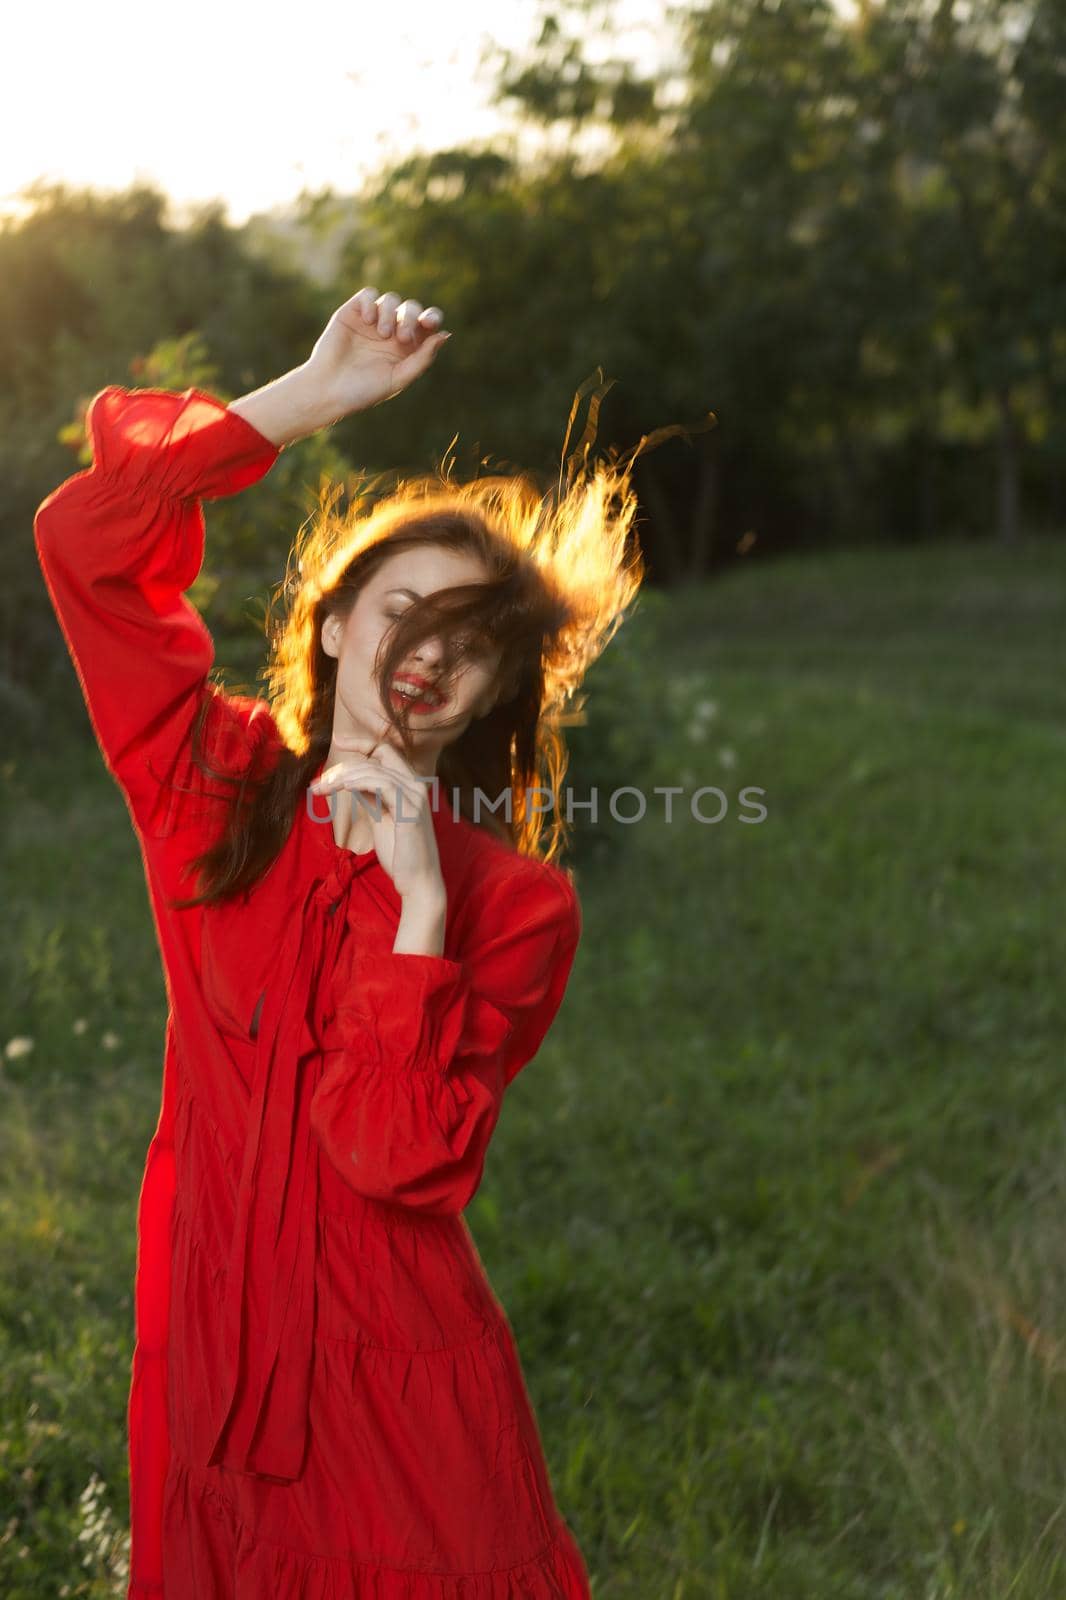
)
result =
(776, 1213)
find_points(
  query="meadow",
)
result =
(776, 1213)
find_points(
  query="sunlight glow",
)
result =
(252, 105)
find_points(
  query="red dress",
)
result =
(326, 1400)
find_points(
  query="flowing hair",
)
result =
(563, 571)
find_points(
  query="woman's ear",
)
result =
(332, 629)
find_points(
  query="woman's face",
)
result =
(354, 643)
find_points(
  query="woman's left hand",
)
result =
(406, 845)
(372, 348)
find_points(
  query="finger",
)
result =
(367, 301)
(364, 774)
(387, 304)
(432, 319)
(395, 761)
(375, 786)
(331, 775)
(407, 324)
(361, 766)
(388, 754)
(420, 361)
(400, 800)
(361, 745)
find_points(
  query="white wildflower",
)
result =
(15, 1048)
(106, 1545)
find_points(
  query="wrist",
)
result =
(422, 921)
(289, 408)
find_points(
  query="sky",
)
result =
(219, 99)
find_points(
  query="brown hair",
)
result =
(561, 574)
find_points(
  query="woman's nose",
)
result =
(430, 652)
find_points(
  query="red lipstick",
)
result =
(422, 706)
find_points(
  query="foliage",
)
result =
(840, 231)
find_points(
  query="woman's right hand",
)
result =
(372, 348)
(403, 838)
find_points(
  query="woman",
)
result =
(326, 1399)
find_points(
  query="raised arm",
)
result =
(118, 545)
(121, 542)
(406, 1108)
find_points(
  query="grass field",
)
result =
(777, 1212)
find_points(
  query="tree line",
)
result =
(842, 232)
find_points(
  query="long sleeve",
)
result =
(406, 1107)
(118, 544)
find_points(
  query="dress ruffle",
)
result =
(424, 1470)
(217, 1538)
